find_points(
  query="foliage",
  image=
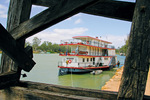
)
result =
(46, 46)
(117, 51)
(124, 48)
(36, 42)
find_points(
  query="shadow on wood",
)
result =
(14, 51)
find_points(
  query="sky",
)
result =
(112, 30)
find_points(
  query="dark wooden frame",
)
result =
(134, 76)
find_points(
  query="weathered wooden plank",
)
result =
(106, 8)
(34, 94)
(54, 14)
(112, 9)
(108, 95)
(11, 78)
(136, 68)
(19, 11)
(14, 51)
(33, 90)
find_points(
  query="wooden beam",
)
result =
(19, 11)
(136, 68)
(12, 78)
(107, 8)
(14, 51)
(54, 14)
(112, 9)
(106, 95)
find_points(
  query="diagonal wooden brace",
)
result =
(12, 48)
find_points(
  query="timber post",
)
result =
(19, 11)
(136, 68)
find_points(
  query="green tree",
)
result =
(36, 42)
(50, 47)
(124, 48)
(55, 47)
(44, 46)
(47, 46)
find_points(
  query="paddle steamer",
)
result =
(87, 54)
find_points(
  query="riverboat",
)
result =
(87, 54)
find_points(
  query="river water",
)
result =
(46, 71)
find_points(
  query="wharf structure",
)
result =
(20, 26)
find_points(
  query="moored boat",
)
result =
(87, 54)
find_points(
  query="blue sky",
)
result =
(112, 30)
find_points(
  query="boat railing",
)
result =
(97, 44)
(80, 64)
(84, 53)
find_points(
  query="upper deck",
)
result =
(87, 41)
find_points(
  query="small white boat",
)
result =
(96, 72)
(122, 54)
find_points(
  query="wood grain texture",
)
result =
(12, 78)
(136, 68)
(27, 90)
(19, 11)
(106, 8)
(54, 14)
(106, 95)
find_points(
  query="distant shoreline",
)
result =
(38, 53)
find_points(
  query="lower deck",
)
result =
(75, 62)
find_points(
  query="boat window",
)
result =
(91, 59)
(87, 59)
(83, 59)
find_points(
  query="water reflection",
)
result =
(86, 80)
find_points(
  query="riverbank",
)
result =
(114, 83)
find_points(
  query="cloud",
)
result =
(78, 21)
(117, 40)
(58, 34)
(3, 11)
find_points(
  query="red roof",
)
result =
(88, 37)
